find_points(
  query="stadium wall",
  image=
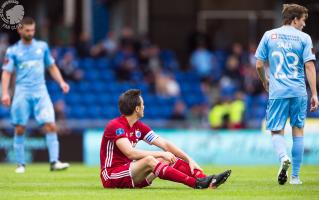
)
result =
(247, 147)
(242, 147)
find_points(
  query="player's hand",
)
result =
(266, 85)
(168, 156)
(65, 87)
(193, 165)
(313, 103)
(6, 100)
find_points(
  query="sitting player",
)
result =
(123, 166)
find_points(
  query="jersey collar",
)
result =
(21, 43)
(124, 120)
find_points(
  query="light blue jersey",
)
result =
(29, 63)
(287, 50)
(31, 96)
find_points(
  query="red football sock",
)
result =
(183, 166)
(168, 173)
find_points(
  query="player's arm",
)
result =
(5, 81)
(311, 76)
(7, 70)
(56, 75)
(260, 67)
(135, 154)
(170, 147)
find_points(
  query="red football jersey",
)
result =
(110, 155)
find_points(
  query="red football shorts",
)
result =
(120, 177)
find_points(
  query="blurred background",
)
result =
(192, 59)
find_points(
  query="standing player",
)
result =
(288, 50)
(29, 58)
(123, 166)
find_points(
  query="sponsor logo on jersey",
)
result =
(119, 131)
(138, 134)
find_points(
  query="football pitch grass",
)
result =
(82, 182)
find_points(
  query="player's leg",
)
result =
(277, 114)
(179, 165)
(298, 109)
(20, 112)
(183, 166)
(51, 138)
(279, 144)
(44, 115)
(143, 167)
(297, 151)
(140, 169)
(18, 145)
(280, 147)
(149, 177)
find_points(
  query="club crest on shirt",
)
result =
(38, 51)
(138, 134)
(119, 131)
(273, 36)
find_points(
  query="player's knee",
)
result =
(19, 130)
(277, 132)
(163, 161)
(49, 127)
(150, 161)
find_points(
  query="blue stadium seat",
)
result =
(221, 57)
(87, 64)
(102, 63)
(103, 99)
(91, 75)
(72, 98)
(314, 114)
(98, 87)
(261, 100)
(88, 99)
(52, 87)
(169, 60)
(4, 112)
(189, 76)
(93, 112)
(77, 112)
(259, 113)
(106, 75)
(109, 111)
(83, 87)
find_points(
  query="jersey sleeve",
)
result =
(262, 50)
(114, 131)
(148, 135)
(48, 59)
(8, 62)
(308, 53)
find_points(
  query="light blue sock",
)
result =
(53, 146)
(297, 154)
(279, 144)
(18, 146)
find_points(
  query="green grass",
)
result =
(81, 182)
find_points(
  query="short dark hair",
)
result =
(129, 100)
(292, 11)
(27, 21)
